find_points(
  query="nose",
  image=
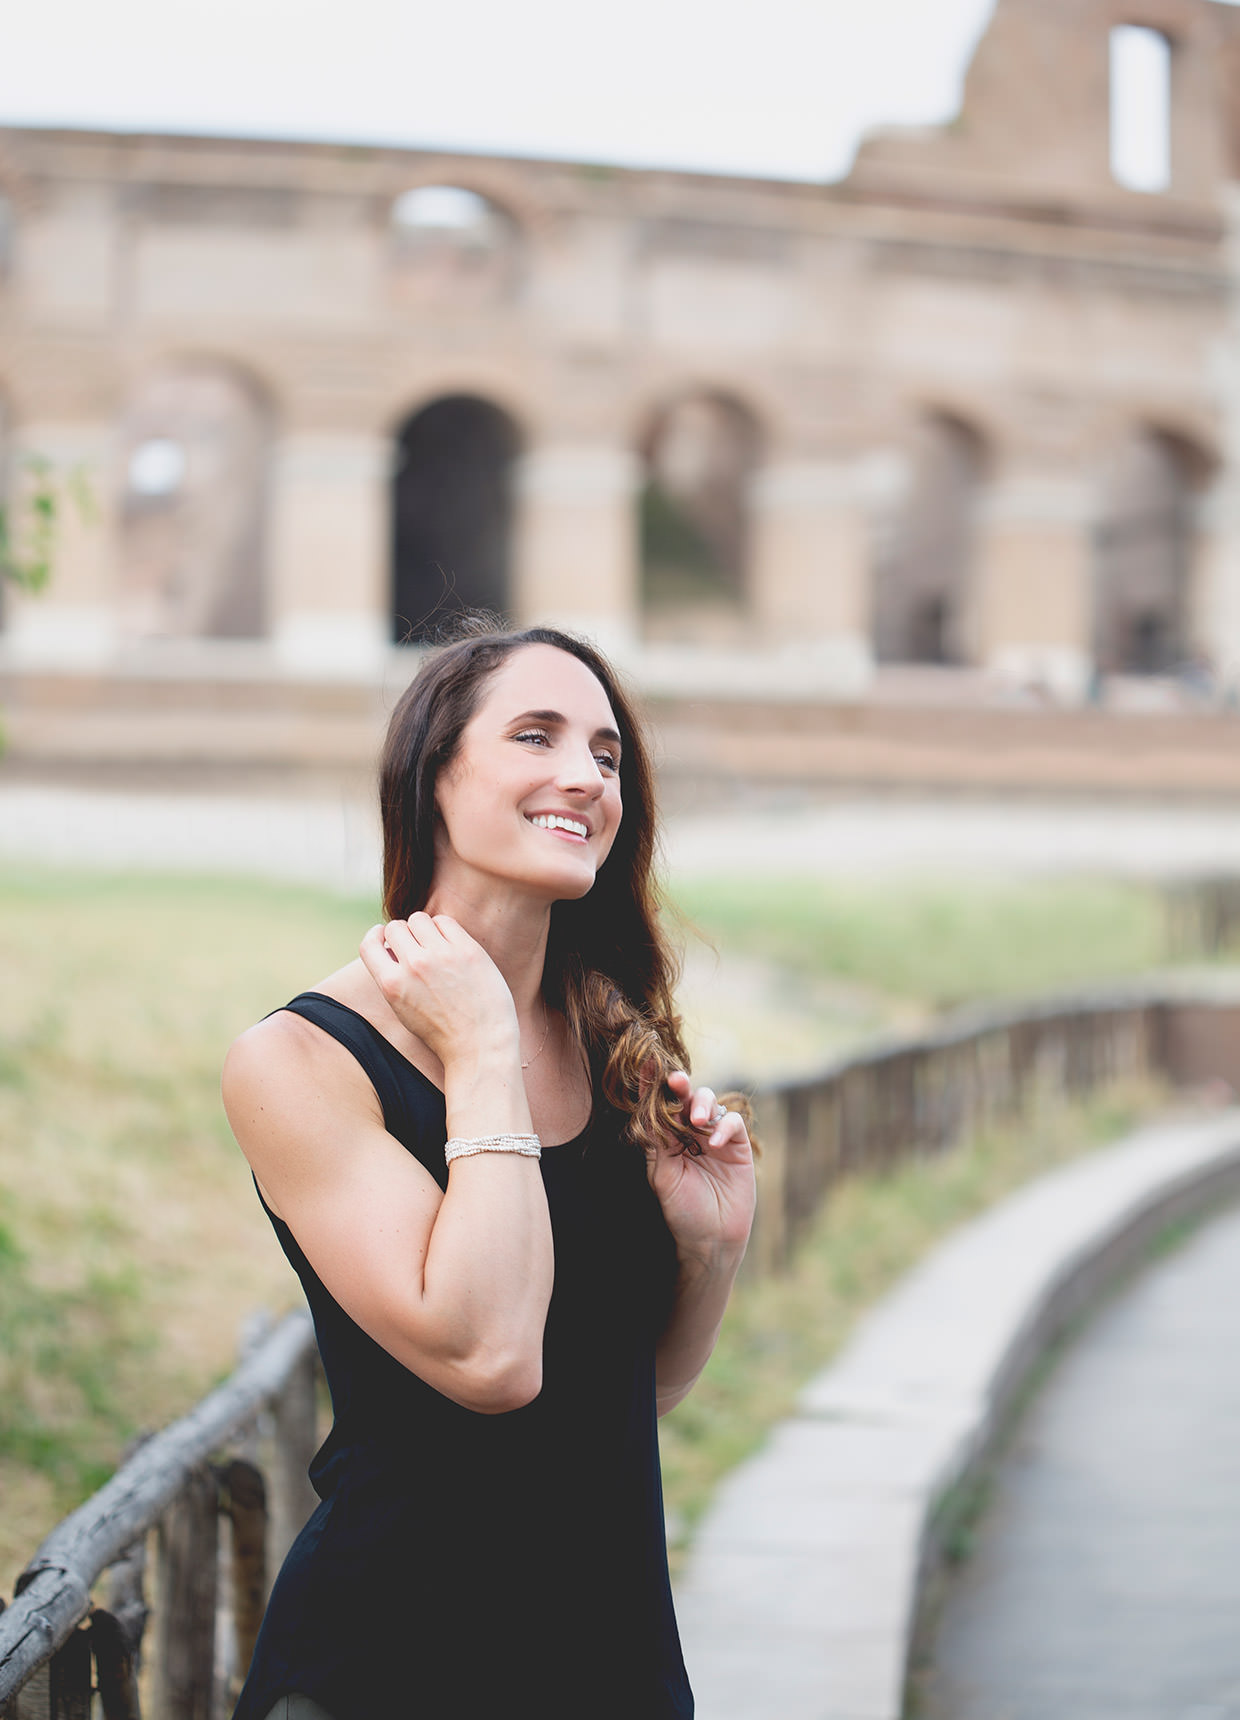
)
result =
(579, 772)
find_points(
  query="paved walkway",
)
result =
(1105, 1583)
(334, 839)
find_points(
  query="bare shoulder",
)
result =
(285, 1047)
(291, 1090)
(286, 1050)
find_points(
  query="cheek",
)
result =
(613, 821)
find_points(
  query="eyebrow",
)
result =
(558, 719)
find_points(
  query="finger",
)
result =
(702, 1108)
(423, 930)
(375, 953)
(400, 940)
(680, 1084)
(730, 1127)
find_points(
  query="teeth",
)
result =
(553, 821)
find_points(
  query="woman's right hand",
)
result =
(443, 986)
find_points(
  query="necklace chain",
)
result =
(526, 1061)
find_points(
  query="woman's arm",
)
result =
(708, 1203)
(454, 1285)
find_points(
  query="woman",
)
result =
(499, 1326)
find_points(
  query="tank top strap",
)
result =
(404, 1093)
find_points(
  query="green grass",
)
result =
(131, 1245)
(60, 1351)
(938, 942)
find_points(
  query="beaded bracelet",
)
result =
(529, 1146)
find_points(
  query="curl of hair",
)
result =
(609, 966)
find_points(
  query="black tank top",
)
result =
(465, 1566)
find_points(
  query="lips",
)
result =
(567, 822)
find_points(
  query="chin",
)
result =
(571, 886)
(576, 892)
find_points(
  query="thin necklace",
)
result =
(526, 1061)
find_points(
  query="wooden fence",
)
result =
(58, 1645)
(219, 1524)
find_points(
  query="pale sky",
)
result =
(772, 87)
(779, 88)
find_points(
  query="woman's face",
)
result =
(532, 795)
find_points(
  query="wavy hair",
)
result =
(609, 966)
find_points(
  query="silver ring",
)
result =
(721, 1112)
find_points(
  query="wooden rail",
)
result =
(201, 1475)
(921, 1096)
(57, 1645)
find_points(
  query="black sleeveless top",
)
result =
(465, 1566)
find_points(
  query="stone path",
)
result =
(333, 839)
(799, 1596)
(1105, 1583)
(310, 839)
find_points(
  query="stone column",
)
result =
(1213, 621)
(576, 541)
(1033, 614)
(813, 527)
(328, 554)
(1214, 598)
(71, 624)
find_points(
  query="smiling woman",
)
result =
(500, 1323)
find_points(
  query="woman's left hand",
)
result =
(707, 1199)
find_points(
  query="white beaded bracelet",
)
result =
(529, 1146)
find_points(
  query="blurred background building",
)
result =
(960, 431)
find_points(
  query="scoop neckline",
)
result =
(326, 997)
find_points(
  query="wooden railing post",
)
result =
(127, 1593)
(61, 1688)
(116, 1635)
(244, 1500)
(185, 1600)
(256, 1328)
(295, 1418)
(769, 1249)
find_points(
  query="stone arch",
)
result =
(701, 452)
(195, 443)
(923, 588)
(1144, 544)
(453, 246)
(452, 513)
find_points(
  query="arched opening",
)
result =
(1140, 109)
(451, 514)
(1143, 555)
(701, 454)
(452, 247)
(195, 444)
(924, 577)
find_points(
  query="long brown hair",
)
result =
(609, 966)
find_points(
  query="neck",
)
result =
(512, 930)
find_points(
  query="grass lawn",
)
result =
(131, 1245)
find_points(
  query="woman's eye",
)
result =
(607, 761)
(538, 736)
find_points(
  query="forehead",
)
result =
(540, 677)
